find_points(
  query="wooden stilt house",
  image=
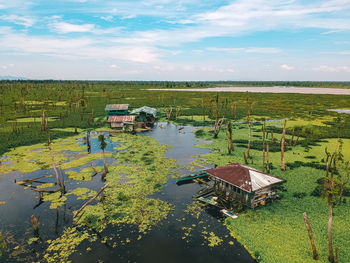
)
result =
(125, 123)
(146, 115)
(244, 184)
(117, 110)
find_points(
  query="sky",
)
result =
(176, 40)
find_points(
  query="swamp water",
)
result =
(189, 233)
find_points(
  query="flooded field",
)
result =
(187, 232)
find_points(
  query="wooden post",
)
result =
(309, 231)
(35, 223)
(283, 165)
(267, 159)
(245, 158)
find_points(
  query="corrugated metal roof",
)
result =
(121, 118)
(244, 177)
(116, 107)
(146, 109)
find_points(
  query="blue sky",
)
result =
(176, 40)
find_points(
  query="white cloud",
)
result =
(114, 66)
(332, 69)
(346, 52)
(63, 27)
(77, 48)
(263, 50)
(19, 20)
(286, 67)
(108, 18)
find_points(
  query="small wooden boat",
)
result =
(228, 213)
(200, 174)
(210, 201)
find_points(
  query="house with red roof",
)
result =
(244, 184)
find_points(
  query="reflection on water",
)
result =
(166, 242)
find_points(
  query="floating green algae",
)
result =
(85, 174)
(82, 193)
(139, 171)
(46, 185)
(61, 248)
(34, 157)
(2, 244)
(56, 199)
(213, 240)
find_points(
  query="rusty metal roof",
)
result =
(244, 177)
(110, 107)
(121, 118)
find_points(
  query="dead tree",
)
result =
(35, 223)
(88, 202)
(263, 146)
(249, 106)
(219, 122)
(309, 231)
(43, 121)
(203, 105)
(292, 138)
(229, 137)
(283, 165)
(233, 110)
(178, 112)
(267, 158)
(62, 187)
(168, 112)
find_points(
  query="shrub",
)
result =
(299, 194)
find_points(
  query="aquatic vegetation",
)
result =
(2, 244)
(46, 185)
(61, 248)
(213, 240)
(56, 199)
(32, 240)
(194, 209)
(85, 174)
(124, 201)
(82, 193)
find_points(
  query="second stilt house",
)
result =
(244, 184)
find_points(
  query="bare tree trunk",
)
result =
(42, 120)
(229, 137)
(35, 223)
(88, 202)
(55, 169)
(267, 158)
(178, 112)
(263, 147)
(291, 139)
(309, 231)
(245, 158)
(168, 112)
(295, 143)
(249, 138)
(330, 241)
(283, 165)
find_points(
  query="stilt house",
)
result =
(117, 109)
(244, 184)
(146, 115)
(122, 122)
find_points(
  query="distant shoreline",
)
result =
(274, 89)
